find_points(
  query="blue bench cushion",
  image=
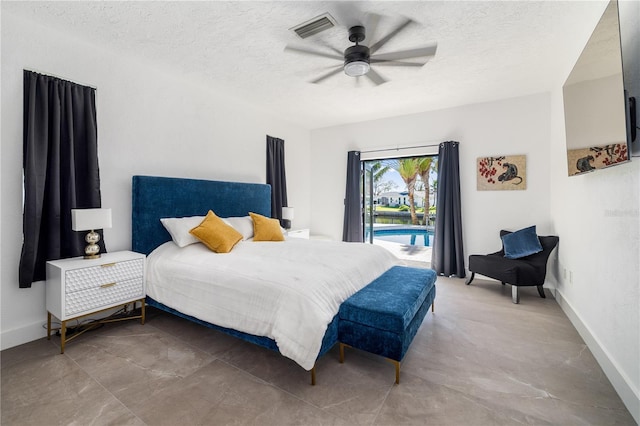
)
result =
(391, 301)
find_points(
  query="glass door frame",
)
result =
(367, 193)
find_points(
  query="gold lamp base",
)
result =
(92, 250)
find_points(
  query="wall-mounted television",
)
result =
(600, 93)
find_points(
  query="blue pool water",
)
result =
(408, 235)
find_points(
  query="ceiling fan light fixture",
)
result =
(356, 60)
(356, 68)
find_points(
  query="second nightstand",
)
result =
(78, 287)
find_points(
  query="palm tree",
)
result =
(378, 169)
(425, 165)
(408, 170)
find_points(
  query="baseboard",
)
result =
(22, 335)
(37, 330)
(626, 390)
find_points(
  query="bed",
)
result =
(233, 286)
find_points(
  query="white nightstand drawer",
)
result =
(104, 296)
(298, 233)
(96, 276)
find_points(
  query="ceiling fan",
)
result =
(359, 59)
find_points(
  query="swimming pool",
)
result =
(404, 235)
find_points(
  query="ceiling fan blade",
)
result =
(382, 62)
(371, 25)
(406, 54)
(313, 53)
(375, 77)
(327, 75)
(347, 14)
(373, 48)
(337, 51)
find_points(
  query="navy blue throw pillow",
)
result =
(521, 243)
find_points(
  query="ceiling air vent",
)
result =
(315, 25)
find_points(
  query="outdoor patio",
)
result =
(416, 253)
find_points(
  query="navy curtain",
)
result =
(352, 228)
(447, 255)
(60, 164)
(276, 176)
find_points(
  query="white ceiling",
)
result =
(487, 50)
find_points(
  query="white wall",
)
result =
(597, 216)
(507, 127)
(149, 122)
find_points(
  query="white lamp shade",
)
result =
(90, 219)
(287, 213)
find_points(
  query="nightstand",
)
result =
(298, 233)
(78, 287)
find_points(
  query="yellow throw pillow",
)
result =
(266, 229)
(216, 234)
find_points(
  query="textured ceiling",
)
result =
(487, 50)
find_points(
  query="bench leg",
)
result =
(313, 376)
(515, 296)
(541, 292)
(397, 365)
(433, 306)
(342, 346)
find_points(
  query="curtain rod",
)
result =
(402, 147)
(61, 78)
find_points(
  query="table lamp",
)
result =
(287, 217)
(90, 220)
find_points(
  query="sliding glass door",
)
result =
(398, 200)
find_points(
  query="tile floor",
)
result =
(478, 360)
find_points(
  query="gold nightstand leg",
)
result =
(63, 335)
(48, 325)
(142, 310)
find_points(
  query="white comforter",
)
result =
(287, 291)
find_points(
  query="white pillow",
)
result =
(243, 225)
(179, 228)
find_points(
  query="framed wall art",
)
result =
(503, 173)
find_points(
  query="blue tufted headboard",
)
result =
(156, 197)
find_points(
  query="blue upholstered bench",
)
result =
(384, 317)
